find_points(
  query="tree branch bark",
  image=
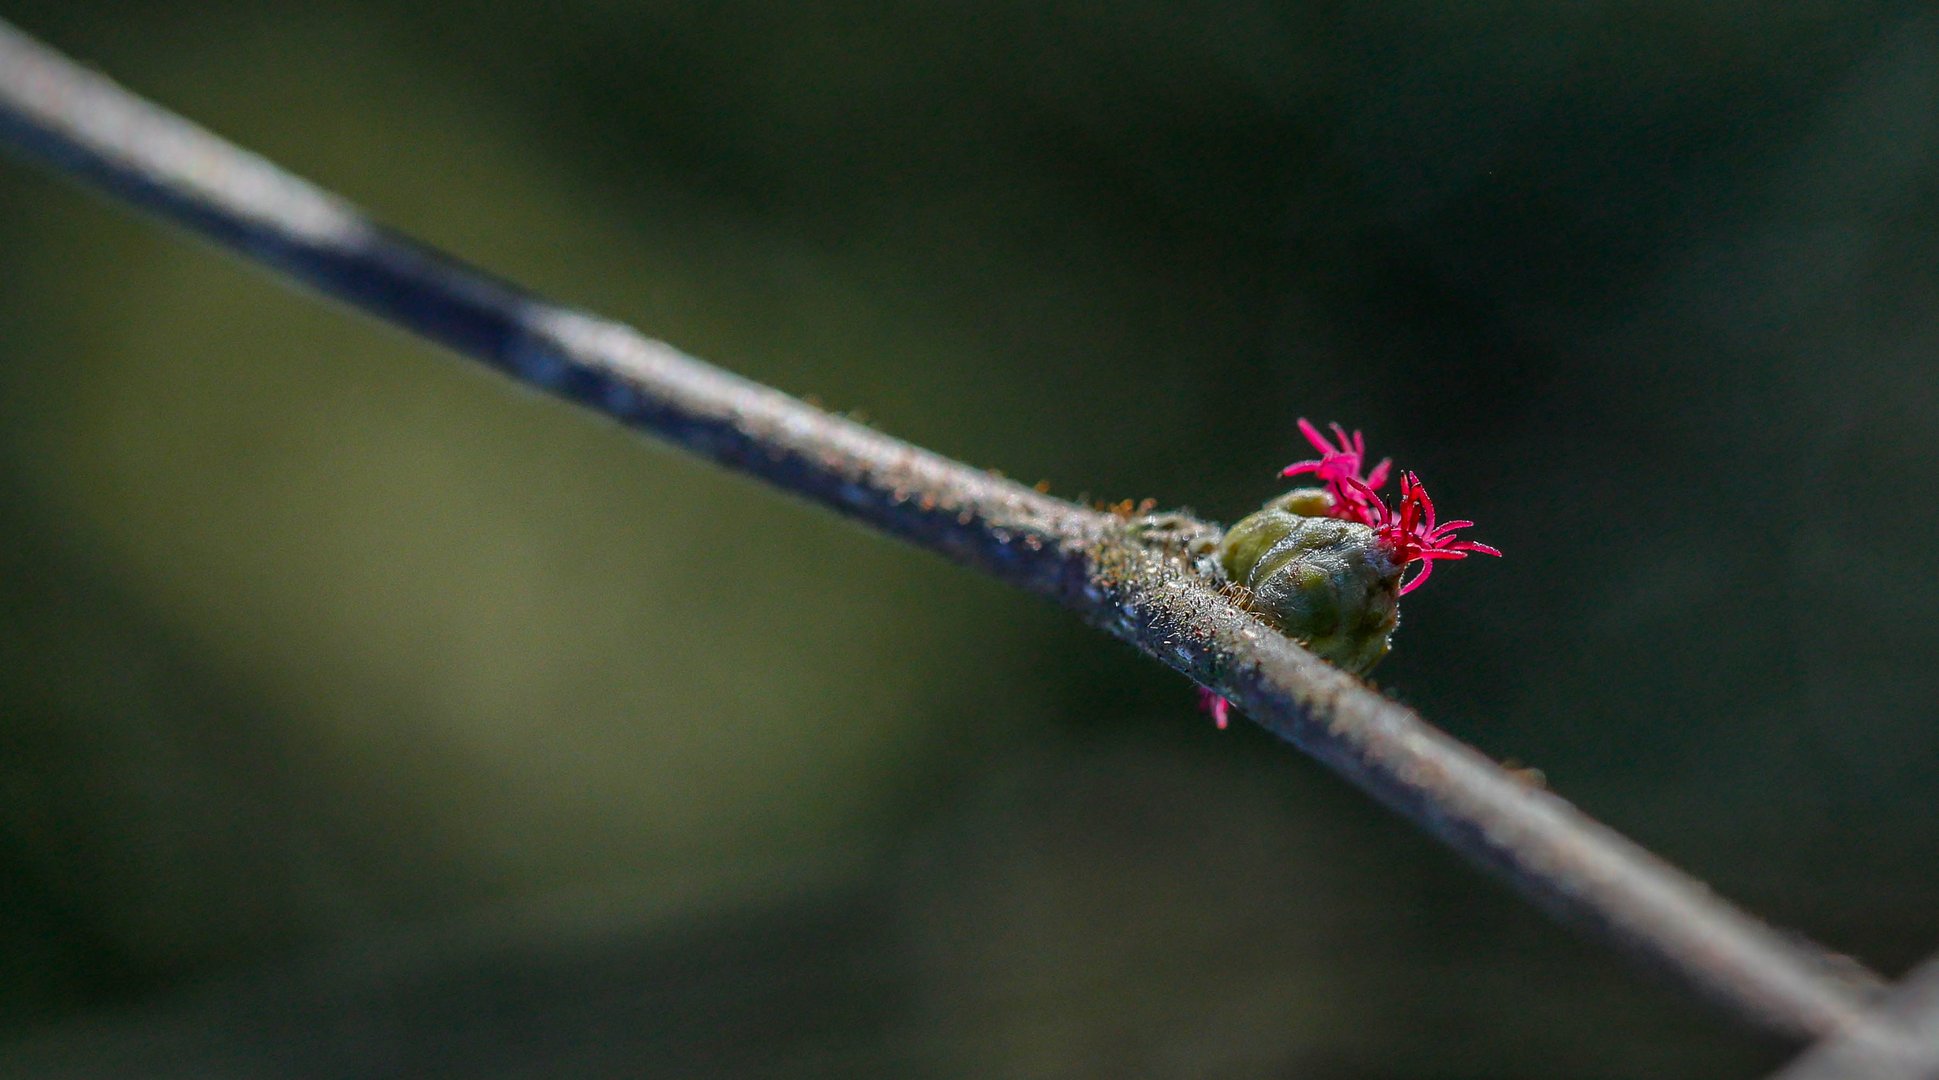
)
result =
(1901, 1041)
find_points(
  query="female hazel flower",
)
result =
(1410, 533)
(1339, 464)
(1324, 565)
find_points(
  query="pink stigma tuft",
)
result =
(1410, 533)
(1219, 708)
(1338, 467)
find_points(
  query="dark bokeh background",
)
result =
(363, 716)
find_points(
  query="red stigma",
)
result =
(1338, 467)
(1215, 705)
(1408, 532)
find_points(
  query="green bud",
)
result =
(1306, 502)
(1322, 581)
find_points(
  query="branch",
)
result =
(84, 125)
(1900, 1041)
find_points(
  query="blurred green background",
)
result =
(361, 715)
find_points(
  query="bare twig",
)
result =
(1901, 1044)
(86, 126)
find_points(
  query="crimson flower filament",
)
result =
(1409, 533)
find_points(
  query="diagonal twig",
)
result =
(1902, 1043)
(84, 125)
